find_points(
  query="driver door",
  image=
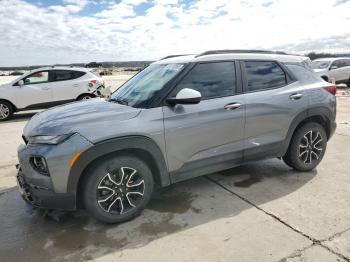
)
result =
(36, 91)
(208, 136)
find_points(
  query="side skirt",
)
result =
(206, 166)
(45, 105)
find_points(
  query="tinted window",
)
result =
(211, 79)
(302, 72)
(37, 77)
(62, 75)
(341, 63)
(264, 75)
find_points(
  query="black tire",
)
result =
(6, 111)
(286, 160)
(85, 97)
(307, 147)
(111, 203)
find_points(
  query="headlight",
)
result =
(49, 140)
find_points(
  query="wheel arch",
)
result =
(325, 78)
(141, 147)
(83, 94)
(320, 115)
(15, 109)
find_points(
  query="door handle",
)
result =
(296, 96)
(232, 106)
(45, 88)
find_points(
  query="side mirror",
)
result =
(185, 96)
(20, 83)
(333, 67)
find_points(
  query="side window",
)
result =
(37, 78)
(339, 63)
(264, 75)
(63, 75)
(347, 62)
(216, 79)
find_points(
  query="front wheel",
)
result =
(118, 189)
(307, 147)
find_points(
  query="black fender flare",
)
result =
(321, 111)
(114, 145)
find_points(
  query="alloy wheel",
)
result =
(310, 147)
(4, 111)
(120, 191)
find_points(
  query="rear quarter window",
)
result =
(301, 72)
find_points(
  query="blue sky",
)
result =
(66, 31)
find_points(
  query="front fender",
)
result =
(115, 145)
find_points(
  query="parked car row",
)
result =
(47, 87)
(179, 118)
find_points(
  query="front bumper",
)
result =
(49, 191)
(42, 197)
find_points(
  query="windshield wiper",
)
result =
(119, 101)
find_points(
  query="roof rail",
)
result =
(227, 51)
(171, 56)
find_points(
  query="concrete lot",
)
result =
(263, 211)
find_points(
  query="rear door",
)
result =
(273, 99)
(36, 90)
(208, 136)
(66, 84)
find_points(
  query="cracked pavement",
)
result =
(262, 211)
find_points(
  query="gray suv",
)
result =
(181, 117)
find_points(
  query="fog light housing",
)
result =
(39, 164)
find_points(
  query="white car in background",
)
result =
(333, 69)
(49, 86)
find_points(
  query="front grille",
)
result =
(25, 139)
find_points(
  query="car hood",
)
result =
(79, 117)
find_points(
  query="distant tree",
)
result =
(314, 55)
(93, 65)
(16, 73)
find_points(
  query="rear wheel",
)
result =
(6, 110)
(307, 147)
(118, 189)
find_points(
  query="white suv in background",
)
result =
(49, 86)
(335, 68)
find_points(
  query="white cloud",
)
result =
(58, 34)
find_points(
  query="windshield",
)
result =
(145, 85)
(320, 64)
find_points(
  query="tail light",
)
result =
(331, 89)
(92, 82)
